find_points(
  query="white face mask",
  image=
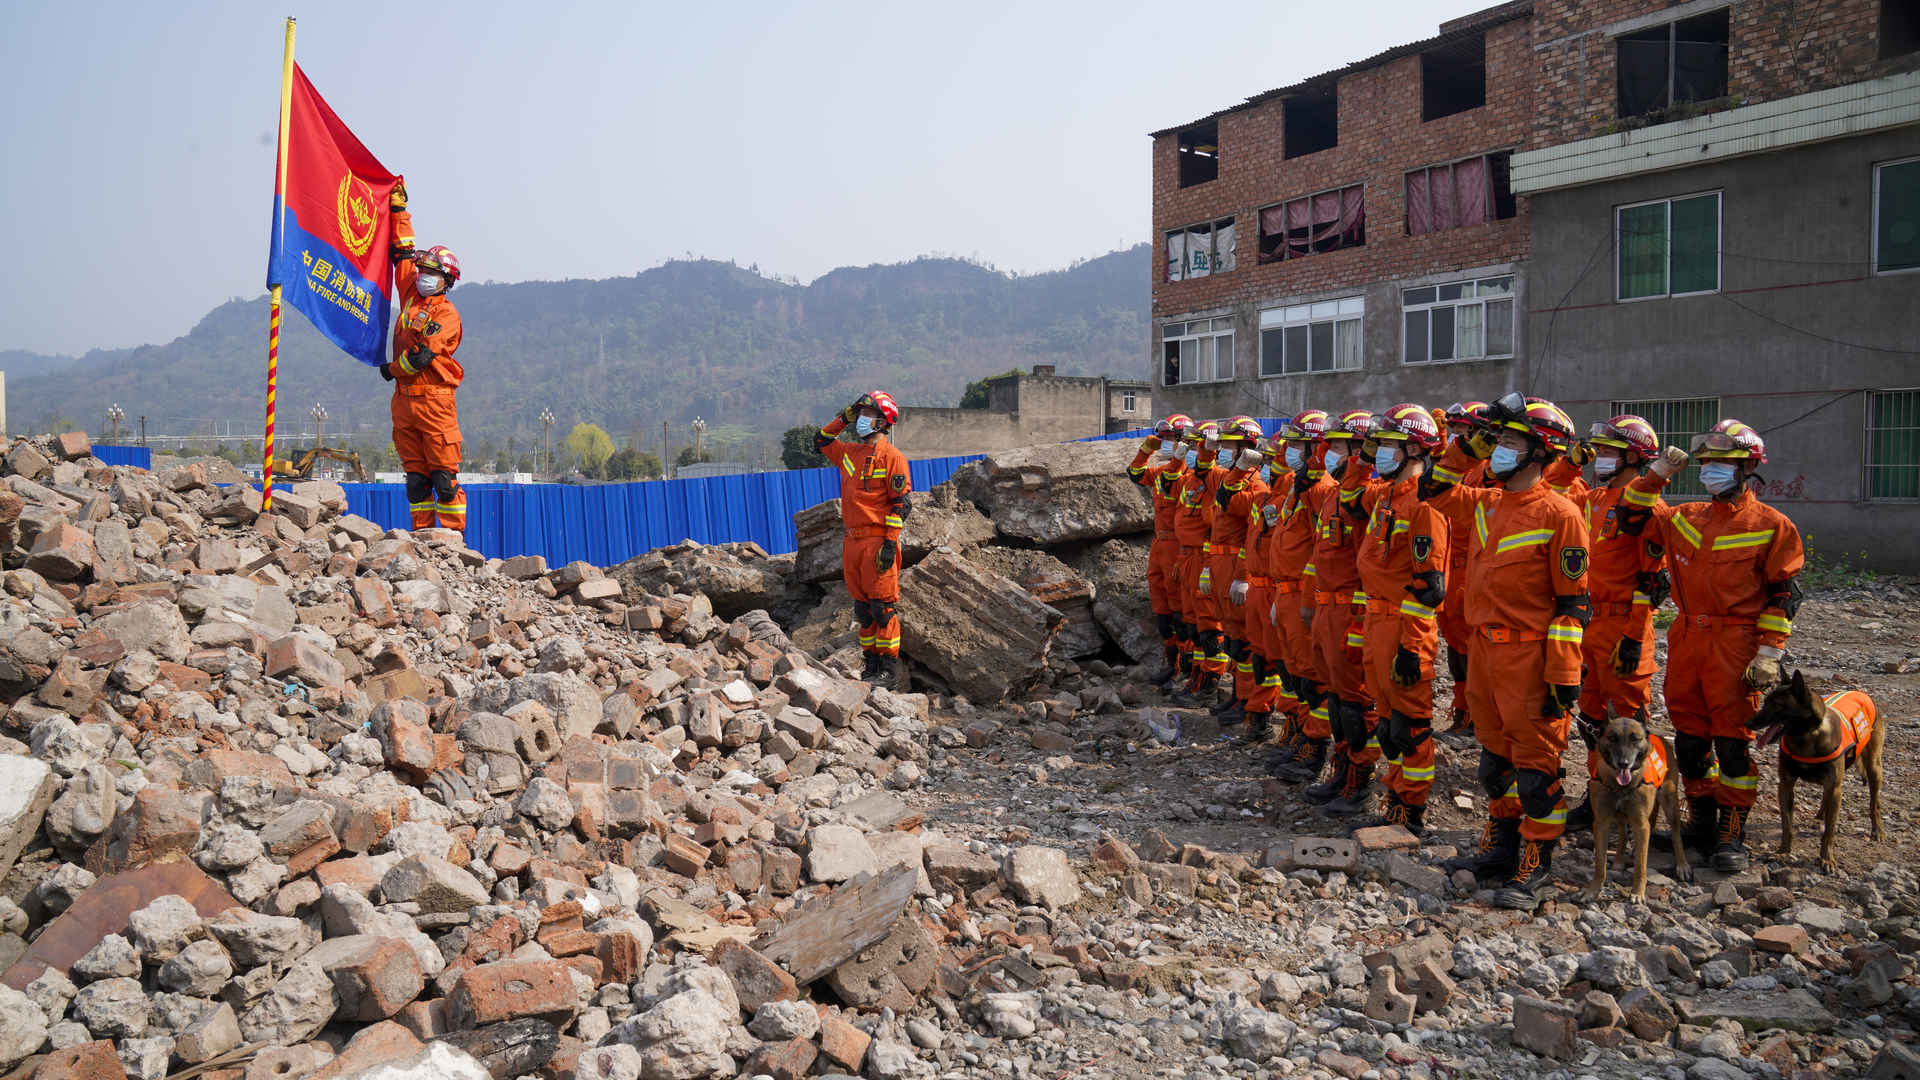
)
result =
(1333, 460)
(1606, 466)
(427, 284)
(1266, 474)
(1719, 477)
(863, 426)
(1193, 458)
(1386, 460)
(1296, 457)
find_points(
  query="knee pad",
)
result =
(445, 486)
(1279, 667)
(1735, 757)
(1495, 773)
(1405, 733)
(1353, 722)
(1236, 650)
(1457, 664)
(419, 487)
(883, 611)
(1539, 792)
(1163, 624)
(863, 612)
(1692, 754)
(1210, 640)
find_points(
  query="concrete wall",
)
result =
(1121, 418)
(1022, 410)
(1779, 344)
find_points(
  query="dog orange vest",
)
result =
(1856, 726)
(1655, 772)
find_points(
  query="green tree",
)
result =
(630, 464)
(975, 395)
(591, 445)
(690, 456)
(796, 448)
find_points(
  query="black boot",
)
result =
(872, 668)
(1730, 853)
(1413, 818)
(1390, 811)
(1292, 745)
(1532, 876)
(1356, 796)
(1332, 781)
(1306, 764)
(1703, 824)
(1258, 726)
(1580, 818)
(1498, 851)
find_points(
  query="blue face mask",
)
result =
(1266, 474)
(1193, 459)
(1604, 467)
(1333, 460)
(1386, 460)
(1719, 477)
(1504, 462)
(863, 426)
(1296, 458)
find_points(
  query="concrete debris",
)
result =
(1059, 493)
(981, 633)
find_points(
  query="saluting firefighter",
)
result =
(1338, 617)
(424, 374)
(1300, 442)
(1461, 418)
(1403, 568)
(1237, 486)
(1192, 524)
(1162, 480)
(875, 499)
(1255, 500)
(1627, 580)
(1526, 599)
(1735, 563)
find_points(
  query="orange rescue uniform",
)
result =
(1226, 557)
(1339, 617)
(1193, 524)
(1453, 618)
(426, 420)
(1526, 585)
(874, 484)
(1624, 562)
(1288, 556)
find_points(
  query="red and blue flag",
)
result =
(332, 229)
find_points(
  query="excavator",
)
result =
(301, 468)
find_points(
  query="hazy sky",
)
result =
(554, 140)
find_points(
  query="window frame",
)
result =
(1493, 198)
(1187, 147)
(1130, 400)
(1211, 332)
(1260, 257)
(1878, 166)
(1511, 296)
(1682, 484)
(1868, 465)
(1672, 27)
(1719, 245)
(1357, 317)
(1213, 248)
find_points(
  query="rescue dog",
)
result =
(1634, 778)
(1818, 740)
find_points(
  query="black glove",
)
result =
(1406, 667)
(1428, 588)
(1560, 698)
(386, 371)
(889, 551)
(1626, 656)
(419, 358)
(1658, 585)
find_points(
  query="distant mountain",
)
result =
(25, 365)
(693, 338)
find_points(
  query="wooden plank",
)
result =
(825, 932)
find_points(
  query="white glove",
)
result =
(1206, 581)
(1212, 441)
(1671, 460)
(1238, 594)
(1250, 460)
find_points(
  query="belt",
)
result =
(1257, 582)
(867, 532)
(1501, 635)
(1223, 549)
(1613, 609)
(1704, 622)
(424, 391)
(1285, 587)
(1324, 598)
(1189, 549)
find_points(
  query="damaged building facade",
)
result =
(1027, 409)
(1689, 211)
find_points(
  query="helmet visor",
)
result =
(1718, 444)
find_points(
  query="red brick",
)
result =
(842, 1043)
(756, 979)
(87, 1061)
(788, 1060)
(509, 989)
(620, 957)
(376, 1045)
(683, 856)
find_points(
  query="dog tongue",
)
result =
(1771, 735)
(1624, 777)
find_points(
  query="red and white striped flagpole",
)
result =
(273, 318)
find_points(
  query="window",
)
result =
(1200, 351)
(1325, 222)
(1304, 338)
(1200, 250)
(1896, 216)
(1470, 192)
(1462, 320)
(1312, 122)
(1899, 28)
(1453, 78)
(1669, 248)
(1679, 62)
(1199, 154)
(1893, 444)
(1677, 421)
(1129, 401)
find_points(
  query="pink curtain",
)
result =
(1419, 220)
(1442, 186)
(1470, 192)
(1273, 220)
(1353, 211)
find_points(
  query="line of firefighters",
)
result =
(1305, 580)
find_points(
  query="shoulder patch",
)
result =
(1573, 562)
(899, 481)
(1654, 550)
(1422, 548)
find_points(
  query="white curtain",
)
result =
(1176, 256)
(1346, 345)
(1199, 253)
(1468, 332)
(1223, 248)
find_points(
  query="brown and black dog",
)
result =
(1632, 777)
(1818, 740)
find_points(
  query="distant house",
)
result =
(1025, 410)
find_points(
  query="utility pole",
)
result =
(115, 414)
(546, 418)
(699, 438)
(666, 455)
(319, 414)
(143, 431)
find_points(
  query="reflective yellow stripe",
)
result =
(1416, 609)
(1416, 774)
(1525, 539)
(1638, 498)
(1480, 522)
(428, 505)
(1359, 597)
(1741, 540)
(1558, 817)
(1308, 571)
(1445, 475)
(1686, 530)
(847, 464)
(1356, 639)
(1749, 782)
(1206, 547)
(1513, 791)
(1401, 525)
(1271, 680)
(1569, 634)
(894, 522)
(455, 507)
(1774, 623)
(1643, 598)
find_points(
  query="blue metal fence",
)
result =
(139, 456)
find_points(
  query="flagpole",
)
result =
(273, 321)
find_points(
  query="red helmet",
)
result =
(1204, 428)
(1464, 414)
(1626, 432)
(1307, 425)
(1174, 426)
(883, 401)
(1537, 417)
(1241, 427)
(1730, 440)
(440, 260)
(1411, 423)
(1353, 424)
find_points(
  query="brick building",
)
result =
(1693, 210)
(1027, 409)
